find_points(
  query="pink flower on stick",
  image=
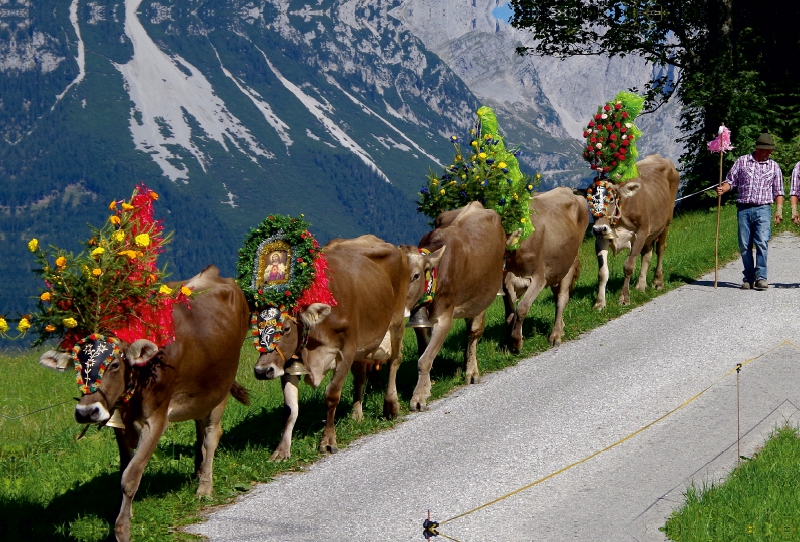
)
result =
(721, 143)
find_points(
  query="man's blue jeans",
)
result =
(755, 230)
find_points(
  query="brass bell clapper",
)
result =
(419, 318)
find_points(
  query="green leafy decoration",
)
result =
(486, 172)
(611, 135)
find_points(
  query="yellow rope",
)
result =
(585, 459)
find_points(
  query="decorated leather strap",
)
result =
(430, 282)
(91, 356)
(599, 196)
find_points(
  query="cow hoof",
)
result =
(280, 455)
(204, 490)
(357, 415)
(328, 449)
(599, 306)
(473, 378)
(624, 302)
(555, 342)
(391, 409)
(418, 404)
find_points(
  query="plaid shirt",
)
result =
(794, 190)
(758, 183)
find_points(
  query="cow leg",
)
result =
(510, 298)
(475, 328)
(423, 389)
(661, 245)
(423, 339)
(561, 293)
(125, 449)
(647, 254)
(601, 247)
(151, 431)
(535, 287)
(211, 429)
(290, 385)
(359, 380)
(628, 267)
(391, 403)
(333, 393)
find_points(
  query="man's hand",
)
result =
(721, 189)
(779, 210)
(795, 215)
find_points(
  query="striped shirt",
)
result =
(794, 190)
(758, 183)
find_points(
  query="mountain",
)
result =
(235, 109)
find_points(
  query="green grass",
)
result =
(53, 487)
(758, 501)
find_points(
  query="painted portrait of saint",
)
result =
(276, 268)
(273, 264)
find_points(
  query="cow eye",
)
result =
(415, 277)
(114, 365)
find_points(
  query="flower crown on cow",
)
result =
(610, 137)
(113, 287)
(489, 174)
(281, 271)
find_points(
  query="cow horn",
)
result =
(419, 318)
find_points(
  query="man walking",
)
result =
(759, 182)
(794, 192)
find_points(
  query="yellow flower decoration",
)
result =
(482, 155)
(70, 322)
(153, 196)
(463, 176)
(119, 236)
(45, 296)
(97, 252)
(459, 158)
(474, 143)
(61, 261)
(487, 137)
(33, 244)
(502, 165)
(114, 220)
(185, 290)
(112, 205)
(166, 290)
(538, 175)
(127, 207)
(50, 328)
(522, 220)
(434, 182)
(452, 183)
(24, 325)
(530, 187)
(441, 191)
(97, 271)
(143, 240)
(131, 254)
(3, 325)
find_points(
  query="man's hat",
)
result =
(765, 141)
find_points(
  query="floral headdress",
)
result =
(489, 174)
(281, 271)
(113, 287)
(610, 137)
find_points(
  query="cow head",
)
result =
(420, 265)
(273, 364)
(606, 201)
(103, 370)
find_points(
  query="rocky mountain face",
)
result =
(234, 109)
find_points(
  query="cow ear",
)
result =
(579, 192)
(57, 361)
(434, 258)
(513, 237)
(140, 352)
(315, 314)
(629, 189)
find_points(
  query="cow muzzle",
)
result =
(266, 371)
(604, 231)
(91, 413)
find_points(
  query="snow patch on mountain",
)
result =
(81, 58)
(165, 99)
(318, 109)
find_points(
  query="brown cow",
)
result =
(548, 257)
(469, 276)
(374, 287)
(637, 217)
(188, 380)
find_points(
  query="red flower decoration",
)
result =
(618, 106)
(624, 114)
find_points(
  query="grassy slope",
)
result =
(53, 487)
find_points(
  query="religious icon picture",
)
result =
(274, 264)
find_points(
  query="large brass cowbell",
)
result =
(419, 318)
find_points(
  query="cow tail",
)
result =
(575, 275)
(240, 393)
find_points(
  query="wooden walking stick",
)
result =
(720, 144)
